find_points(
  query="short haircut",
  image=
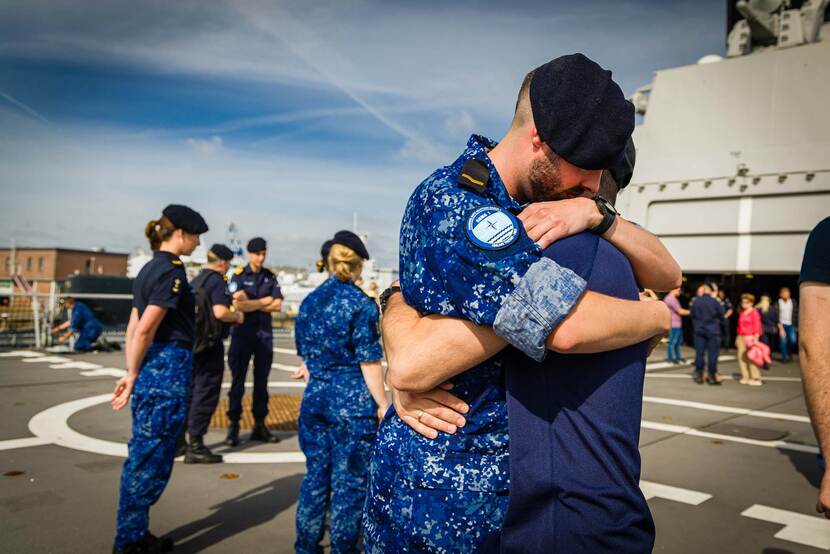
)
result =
(748, 297)
(523, 113)
(212, 258)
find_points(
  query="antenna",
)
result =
(234, 242)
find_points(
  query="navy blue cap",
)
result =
(324, 250)
(624, 168)
(580, 112)
(257, 244)
(186, 219)
(222, 252)
(347, 238)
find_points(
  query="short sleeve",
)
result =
(816, 263)
(365, 336)
(276, 291)
(216, 291)
(77, 319)
(235, 284)
(166, 291)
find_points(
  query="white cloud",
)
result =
(206, 147)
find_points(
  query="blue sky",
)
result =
(283, 117)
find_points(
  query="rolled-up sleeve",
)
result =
(541, 300)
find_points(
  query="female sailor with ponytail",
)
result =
(159, 345)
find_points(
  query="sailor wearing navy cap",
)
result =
(215, 314)
(159, 343)
(471, 248)
(338, 340)
(256, 292)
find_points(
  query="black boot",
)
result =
(181, 445)
(150, 544)
(233, 435)
(261, 433)
(198, 453)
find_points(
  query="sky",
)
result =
(285, 118)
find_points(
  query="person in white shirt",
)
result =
(787, 322)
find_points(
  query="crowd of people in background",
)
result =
(759, 329)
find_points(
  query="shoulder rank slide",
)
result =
(474, 175)
(239, 270)
(176, 262)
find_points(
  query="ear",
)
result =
(535, 140)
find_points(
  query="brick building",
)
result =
(44, 265)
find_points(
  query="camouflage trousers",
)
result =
(337, 451)
(157, 423)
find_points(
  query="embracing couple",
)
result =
(517, 340)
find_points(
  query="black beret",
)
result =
(624, 168)
(324, 250)
(185, 218)
(256, 244)
(347, 238)
(580, 112)
(222, 252)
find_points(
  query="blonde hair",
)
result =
(158, 231)
(764, 303)
(344, 263)
(748, 297)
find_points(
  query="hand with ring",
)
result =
(431, 411)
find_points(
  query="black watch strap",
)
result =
(385, 295)
(609, 215)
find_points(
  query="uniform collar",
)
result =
(477, 147)
(166, 255)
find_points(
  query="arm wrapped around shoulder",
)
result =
(538, 304)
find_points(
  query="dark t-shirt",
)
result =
(256, 285)
(816, 263)
(707, 314)
(216, 288)
(574, 425)
(163, 282)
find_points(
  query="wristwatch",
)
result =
(385, 295)
(609, 215)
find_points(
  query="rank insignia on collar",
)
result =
(474, 175)
(492, 228)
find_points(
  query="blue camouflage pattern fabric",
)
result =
(159, 406)
(336, 329)
(450, 494)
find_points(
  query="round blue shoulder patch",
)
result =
(232, 286)
(492, 228)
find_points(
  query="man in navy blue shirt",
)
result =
(814, 342)
(256, 292)
(210, 288)
(707, 314)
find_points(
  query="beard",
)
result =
(546, 182)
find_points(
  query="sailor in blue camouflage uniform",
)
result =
(337, 337)
(463, 254)
(257, 293)
(159, 360)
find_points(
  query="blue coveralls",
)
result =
(574, 425)
(336, 330)
(253, 338)
(450, 494)
(209, 365)
(159, 399)
(84, 323)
